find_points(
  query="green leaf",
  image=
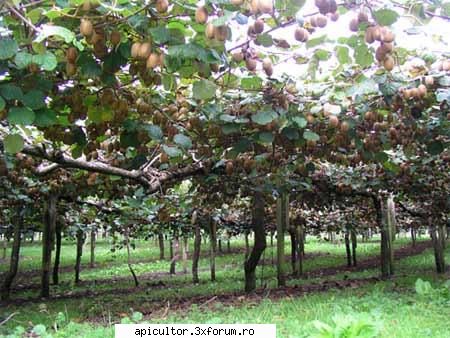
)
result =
(316, 41)
(21, 115)
(182, 140)
(391, 166)
(342, 54)
(13, 143)
(50, 30)
(264, 117)
(204, 90)
(23, 60)
(266, 137)
(154, 131)
(253, 82)
(310, 136)
(2, 103)
(423, 287)
(385, 17)
(435, 147)
(8, 48)
(11, 92)
(45, 118)
(363, 56)
(265, 40)
(34, 99)
(300, 121)
(46, 61)
(322, 54)
(172, 151)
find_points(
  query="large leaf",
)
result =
(13, 143)
(264, 117)
(23, 59)
(2, 103)
(154, 131)
(363, 56)
(253, 82)
(8, 48)
(172, 151)
(45, 117)
(204, 90)
(21, 115)
(310, 136)
(11, 92)
(34, 99)
(182, 140)
(46, 61)
(342, 54)
(50, 30)
(385, 17)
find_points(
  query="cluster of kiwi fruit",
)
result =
(142, 51)
(246, 163)
(444, 65)
(97, 36)
(373, 33)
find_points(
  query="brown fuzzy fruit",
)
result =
(248, 164)
(162, 6)
(152, 61)
(301, 34)
(71, 69)
(238, 56)
(258, 26)
(267, 66)
(163, 157)
(333, 121)
(354, 24)
(368, 37)
(221, 33)
(387, 35)
(334, 16)
(429, 80)
(115, 37)
(145, 50)
(422, 90)
(71, 55)
(229, 167)
(209, 31)
(265, 6)
(135, 47)
(362, 17)
(201, 15)
(86, 27)
(389, 63)
(321, 20)
(237, 2)
(250, 64)
(345, 127)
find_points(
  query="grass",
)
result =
(414, 316)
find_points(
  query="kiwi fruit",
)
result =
(86, 27)
(71, 55)
(354, 25)
(333, 121)
(345, 127)
(265, 6)
(429, 80)
(387, 35)
(162, 6)
(368, 37)
(71, 69)
(238, 56)
(209, 31)
(135, 47)
(422, 90)
(321, 21)
(389, 63)
(237, 2)
(229, 168)
(268, 66)
(163, 157)
(221, 33)
(115, 37)
(144, 50)
(201, 15)
(301, 34)
(258, 26)
(362, 17)
(250, 64)
(334, 16)
(152, 61)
